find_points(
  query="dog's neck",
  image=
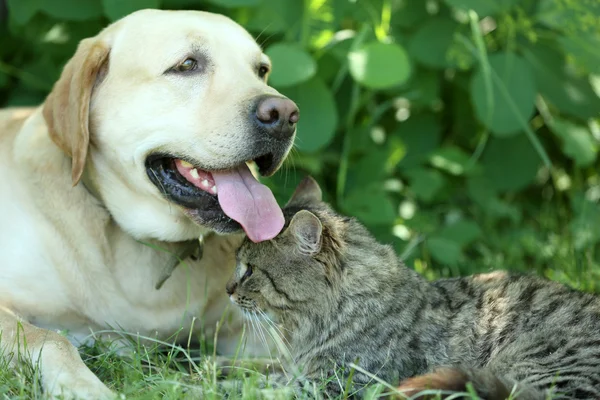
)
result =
(186, 249)
(88, 182)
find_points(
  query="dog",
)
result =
(141, 148)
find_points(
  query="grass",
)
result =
(163, 372)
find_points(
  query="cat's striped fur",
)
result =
(345, 298)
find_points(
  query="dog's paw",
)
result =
(77, 387)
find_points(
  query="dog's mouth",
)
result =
(221, 199)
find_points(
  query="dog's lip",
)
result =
(198, 177)
(163, 173)
(265, 163)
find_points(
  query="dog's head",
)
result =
(167, 108)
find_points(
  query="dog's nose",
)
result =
(277, 116)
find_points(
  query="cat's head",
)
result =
(299, 270)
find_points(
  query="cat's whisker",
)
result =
(282, 348)
(263, 338)
(275, 339)
(278, 326)
(254, 330)
(279, 339)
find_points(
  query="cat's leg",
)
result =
(63, 372)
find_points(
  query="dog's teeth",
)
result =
(194, 173)
(205, 183)
(213, 189)
(186, 164)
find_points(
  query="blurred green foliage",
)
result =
(465, 132)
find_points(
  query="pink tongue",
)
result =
(249, 203)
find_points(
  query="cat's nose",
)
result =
(230, 288)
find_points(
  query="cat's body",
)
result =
(347, 299)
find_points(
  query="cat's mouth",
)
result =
(248, 307)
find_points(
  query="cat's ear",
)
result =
(307, 192)
(305, 229)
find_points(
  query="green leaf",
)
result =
(516, 76)
(292, 65)
(483, 193)
(577, 140)
(574, 17)
(21, 11)
(284, 183)
(409, 13)
(425, 183)
(235, 3)
(510, 163)
(585, 227)
(584, 48)
(116, 9)
(3, 79)
(462, 232)
(266, 23)
(430, 43)
(423, 89)
(79, 10)
(328, 67)
(42, 73)
(570, 94)
(426, 223)
(421, 134)
(451, 159)
(318, 115)
(22, 96)
(481, 7)
(376, 164)
(379, 65)
(444, 251)
(371, 204)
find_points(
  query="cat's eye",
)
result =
(248, 272)
(188, 65)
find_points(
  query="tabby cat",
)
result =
(344, 298)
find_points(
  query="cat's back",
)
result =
(489, 312)
(521, 301)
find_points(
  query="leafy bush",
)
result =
(465, 132)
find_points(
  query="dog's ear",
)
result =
(307, 192)
(66, 109)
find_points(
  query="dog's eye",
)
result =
(189, 64)
(263, 70)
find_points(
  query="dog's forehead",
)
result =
(168, 35)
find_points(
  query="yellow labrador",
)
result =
(145, 138)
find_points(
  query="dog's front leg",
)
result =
(63, 372)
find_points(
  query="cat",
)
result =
(342, 298)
